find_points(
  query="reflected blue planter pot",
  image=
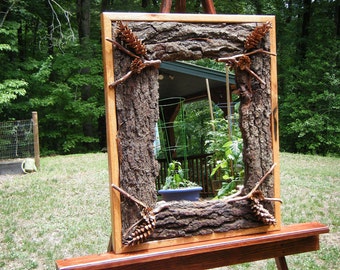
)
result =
(187, 194)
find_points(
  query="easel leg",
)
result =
(110, 246)
(281, 263)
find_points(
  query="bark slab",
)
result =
(137, 113)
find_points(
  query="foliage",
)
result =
(191, 129)
(310, 105)
(196, 117)
(175, 178)
(47, 67)
(209, 63)
(232, 163)
(226, 144)
(227, 188)
(63, 83)
(11, 89)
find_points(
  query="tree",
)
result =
(10, 90)
(62, 85)
(10, 87)
(310, 107)
(46, 68)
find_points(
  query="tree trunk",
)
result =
(307, 5)
(258, 6)
(83, 17)
(337, 19)
(50, 29)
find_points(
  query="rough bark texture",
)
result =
(137, 114)
(255, 123)
(137, 110)
(169, 41)
(204, 217)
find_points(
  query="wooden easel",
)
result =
(289, 240)
(180, 6)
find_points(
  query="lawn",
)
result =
(63, 210)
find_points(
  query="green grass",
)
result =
(63, 210)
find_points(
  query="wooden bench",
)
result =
(289, 240)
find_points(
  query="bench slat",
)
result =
(289, 240)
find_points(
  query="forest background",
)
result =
(51, 62)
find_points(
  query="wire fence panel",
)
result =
(16, 139)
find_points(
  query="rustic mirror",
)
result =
(134, 46)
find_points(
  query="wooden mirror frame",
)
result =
(111, 119)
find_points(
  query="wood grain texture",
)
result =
(196, 18)
(111, 131)
(208, 6)
(289, 240)
(275, 119)
(281, 263)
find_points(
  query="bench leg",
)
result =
(281, 263)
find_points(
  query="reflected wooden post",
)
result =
(36, 139)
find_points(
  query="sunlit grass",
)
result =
(63, 210)
(310, 189)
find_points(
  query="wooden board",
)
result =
(290, 240)
(111, 118)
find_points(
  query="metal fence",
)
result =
(16, 139)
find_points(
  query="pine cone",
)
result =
(143, 230)
(128, 37)
(137, 65)
(255, 37)
(260, 212)
(244, 62)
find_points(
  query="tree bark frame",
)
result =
(192, 48)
